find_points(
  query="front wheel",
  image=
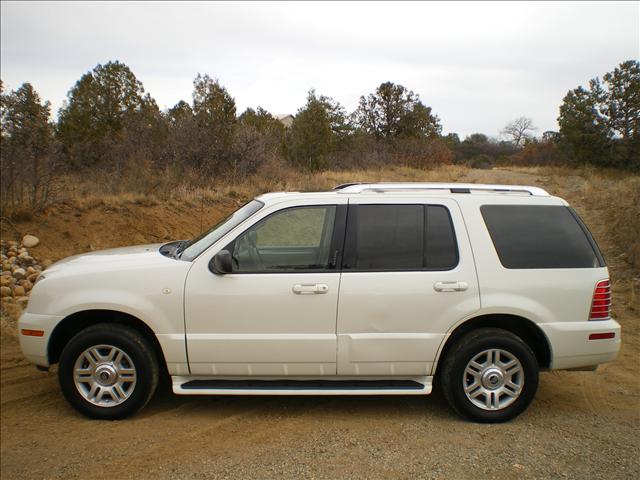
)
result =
(108, 371)
(490, 375)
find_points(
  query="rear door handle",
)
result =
(310, 288)
(455, 286)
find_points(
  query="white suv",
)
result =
(366, 289)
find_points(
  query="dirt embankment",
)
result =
(66, 229)
(581, 425)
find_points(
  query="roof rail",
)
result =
(452, 187)
(345, 185)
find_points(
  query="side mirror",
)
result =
(221, 263)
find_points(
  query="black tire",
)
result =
(452, 374)
(130, 342)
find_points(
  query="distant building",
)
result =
(285, 119)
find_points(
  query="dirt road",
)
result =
(581, 425)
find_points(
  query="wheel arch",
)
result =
(524, 328)
(69, 326)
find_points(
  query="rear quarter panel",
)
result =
(541, 295)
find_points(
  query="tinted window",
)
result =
(292, 239)
(537, 236)
(399, 237)
(441, 243)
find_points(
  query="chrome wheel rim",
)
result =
(104, 375)
(493, 379)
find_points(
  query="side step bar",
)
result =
(203, 386)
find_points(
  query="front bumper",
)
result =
(35, 348)
(571, 347)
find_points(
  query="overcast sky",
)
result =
(478, 65)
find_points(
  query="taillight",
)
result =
(601, 303)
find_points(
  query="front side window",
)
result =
(399, 237)
(294, 239)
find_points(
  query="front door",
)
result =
(408, 276)
(275, 314)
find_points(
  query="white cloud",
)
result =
(478, 64)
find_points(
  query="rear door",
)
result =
(408, 276)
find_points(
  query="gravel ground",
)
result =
(581, 425)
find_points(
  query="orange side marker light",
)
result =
(32, 333)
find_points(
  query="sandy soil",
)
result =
(581, 425)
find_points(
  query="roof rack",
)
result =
(452, 187)
(345, 185)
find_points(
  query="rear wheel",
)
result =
(108, 371)
(490, 375)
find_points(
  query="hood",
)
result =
(111, 259)
(120, 278)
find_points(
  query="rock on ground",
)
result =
(30, 241)
(19, 270)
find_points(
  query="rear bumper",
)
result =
(571, 347)
(35, 348)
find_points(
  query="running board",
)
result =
(203, 386)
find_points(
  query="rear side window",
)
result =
(540, 236)
(399, 237)
(441, 251)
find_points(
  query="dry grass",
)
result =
(618, 201)
(85, 193)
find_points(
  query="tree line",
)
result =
(109, 124)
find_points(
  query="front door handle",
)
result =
(310, 288)
(455, 286)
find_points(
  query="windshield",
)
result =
(198, 245)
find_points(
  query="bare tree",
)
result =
(518, 130)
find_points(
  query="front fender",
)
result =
(155, 296)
